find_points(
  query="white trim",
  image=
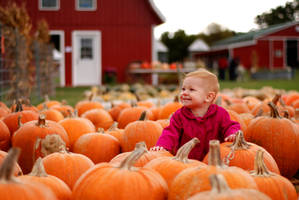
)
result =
(62, 50)
(154, 7)
(94, 6)
(48, 9)
(234, 45)
(99, 56)
(154, 52)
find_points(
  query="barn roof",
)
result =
(156, 11)
(252, 35)
(198, 45)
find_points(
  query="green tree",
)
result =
(215, 32)
(280, 14)
(177, 45)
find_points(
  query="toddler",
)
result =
(199, 117)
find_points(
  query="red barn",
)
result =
(96, 36)
(273, 47)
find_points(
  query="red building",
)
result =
(97, 36)
(273, 47)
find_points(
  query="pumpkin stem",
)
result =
(38, 169)
(143, 116)
(7, 167)
(239, 143)
(47, 99)
(286, 114)
(19, 106)
(183, 152)
(20, 121)
(101, 130)
(214, 154)
(133, 157)
(176, 98)
(259, 113)
(274, 111)
(113, 127)
(50, 144)
(282, 103)
(260, 169)
(218, 183)
(276, 99)
(41, 121)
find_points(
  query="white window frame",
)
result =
(94, 6)
(45, 8)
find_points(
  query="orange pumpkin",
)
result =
(221, 191)
(291, 97)
(17, 169)
(99, 147)
(136, 183)
(132, 114)
(170, 167)
(4, 137)
(115, 110)
(76, 126)
(99, 117)
(13, 188)
(170, 108)
(279, 136)
(241, 154)
(4, 110)
(116, 132)
(65, 110)
(67, 166)
(193, 180)
(141, 161)
(49, 103)
(38, 174)
(142, 130)
(12, 119)
(26, 136)
(83, 106)
(275, 186)
(52, 114)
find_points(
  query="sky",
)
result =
(193, 16)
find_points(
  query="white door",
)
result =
(86, 58)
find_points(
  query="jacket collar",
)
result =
(188, 113)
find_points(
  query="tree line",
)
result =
(178, 42)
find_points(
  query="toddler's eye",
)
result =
(191, 89)
(183, 89)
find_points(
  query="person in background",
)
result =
(233, 64)
(222, 66)
(199, 117)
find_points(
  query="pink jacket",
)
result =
(215, 124)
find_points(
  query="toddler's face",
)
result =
(194, 92)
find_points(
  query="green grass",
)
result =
(74, 94)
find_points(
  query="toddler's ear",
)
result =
(211, 96)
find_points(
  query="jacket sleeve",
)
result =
(170, 136)
(228, 126)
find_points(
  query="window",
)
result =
(86, 48)
(49, 4)
(86, 5)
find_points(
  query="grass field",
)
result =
(74, 94)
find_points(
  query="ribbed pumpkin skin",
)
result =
(67, 166)
(277, 187)
(168, 109)
(4, 136)
(11, 120)
(83, 106)
(99, 117)
(77, 126)
(147, 131)
(110, 183)
(25, 138)
(280, 137)
(52, 114)
(143, 160)
(17, 170)
(99, 147)
(58, 187)
(169, 168)
(132, 114)
(193, 180)
(26, 191)
(245, 158)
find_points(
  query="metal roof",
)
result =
(252, 35)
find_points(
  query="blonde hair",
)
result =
(211, 79)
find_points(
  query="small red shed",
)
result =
(97, 36)
(273, 47)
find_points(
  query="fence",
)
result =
(27, 68)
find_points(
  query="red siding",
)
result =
(278, 58)
(126, 28)
(245, 55)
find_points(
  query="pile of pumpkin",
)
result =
(56, 151)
